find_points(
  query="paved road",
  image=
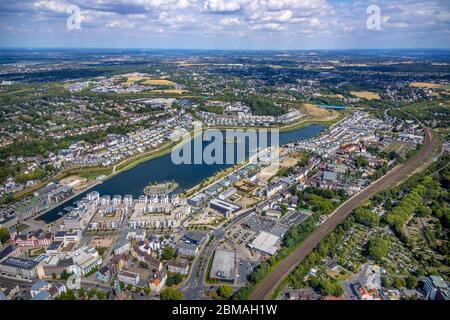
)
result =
(265, 288)
(195, 284)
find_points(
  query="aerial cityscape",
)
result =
(177, 169)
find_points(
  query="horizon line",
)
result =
(218, 49)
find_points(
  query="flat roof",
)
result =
(6, 251)
(438, 282)
(185, 245)
(265, 242)
(223, 266)
(20, 263)
(224, 204)
(195, 236)
(278, 230)
(54, 245)
(42, 295)
(329, 175)
(129, 274)
(6, 219)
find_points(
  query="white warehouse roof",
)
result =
(265, 242)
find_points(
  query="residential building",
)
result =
(187, 249)
(104, 274)
(436, 288)
(178, 266)
(22, 267)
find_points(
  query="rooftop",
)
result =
(265, 242)
(223, 266)
(20, 263)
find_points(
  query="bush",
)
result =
(378, 248)
(225, 291)
(172, 294)
(174, 279)
(168, 253)
(367, 217)
(4, 235)
(399, 283)
(411, 282)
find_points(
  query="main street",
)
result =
(265, 288)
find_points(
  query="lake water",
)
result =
(332, 107)
(162, 169)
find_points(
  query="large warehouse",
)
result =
(265, 242)
(223, 266)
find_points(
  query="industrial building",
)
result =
(265, 243)
(224, 265)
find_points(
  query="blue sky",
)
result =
(222, 24)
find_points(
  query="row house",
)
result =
(37, 238)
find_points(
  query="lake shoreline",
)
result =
(158, 155)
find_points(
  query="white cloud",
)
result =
(218, 6)
(268, 27)
(52, 5)
(229, 21)
(120, 24)
(297, 18)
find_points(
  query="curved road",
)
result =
(195, 284)
(265, 288)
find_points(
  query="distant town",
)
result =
(93, 208)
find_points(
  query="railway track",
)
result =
(265, 288)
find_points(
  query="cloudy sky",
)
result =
(225, 24)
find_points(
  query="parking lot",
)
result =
(244, 269)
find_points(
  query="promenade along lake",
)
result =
(134, 180)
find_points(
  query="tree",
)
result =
(65, 275)
(4, 235)
(360, 161)
(421, 271)
(101, 295)
(172, 294)
(326, 287)
(399, 282)
(424, 211)
(174, 279)
(7, 198)
(263, 106)
(378, 248)
(225, 291)
(81, 292)
(411, 282)
(367, 217)
(388, 282)
(147, 291)
(337, 290)
(68, 295)
(168, 253)
(393, 155)
(91, 293)
(320, 204)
